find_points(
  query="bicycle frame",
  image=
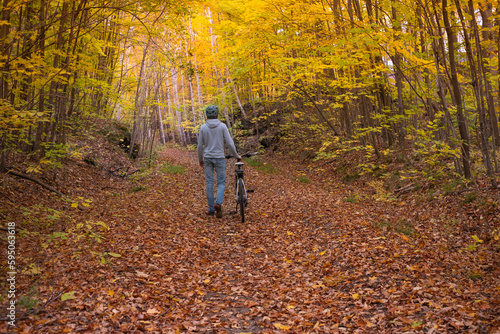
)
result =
(241, 191)
(239, 176)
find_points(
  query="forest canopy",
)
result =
(384, 78)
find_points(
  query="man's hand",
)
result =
(202, 164)
(239, 157)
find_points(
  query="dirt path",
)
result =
(304, 262)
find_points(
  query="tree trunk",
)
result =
(41, 91)
(235, 91)
(197, 74)
(399, 78)
(158, 109)
(177, 107)
(169, 105)
(137, 104)
(477, 84)
(462, 126)
(488, 70)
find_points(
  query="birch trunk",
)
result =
(233, 85)
(158, 109)
(177, 107)
(137, 105)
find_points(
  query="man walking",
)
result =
(211, 140)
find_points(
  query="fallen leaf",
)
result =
(280, 326)
(68, 295)
(152, 311)
(141, 274)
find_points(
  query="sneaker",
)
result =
(211, 213)
(218, 210)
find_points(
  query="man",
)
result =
(211, 157)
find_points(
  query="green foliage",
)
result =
(53, 157)
(452, 185)
(104, 258)
(173, 169)
(57, 235)
(477, 242)
(40, 215)
(404, 226)
(431, 195)
(469, 198)
(475, 276)
(381, 193)
(14, 122)
(29, 300)
(351, 177)
(449, 227)
(144, 172)
(254, 162)
(383, 225)
(260, 165)
(137, 189)
(54, 153)
(267, 168)
(91, 231)
(303, 179)
(376, 169)
(114, 132)
(352, 199)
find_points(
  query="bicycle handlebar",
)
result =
(246, 155)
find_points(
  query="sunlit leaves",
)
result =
(68, 295)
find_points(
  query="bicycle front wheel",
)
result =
(241, 199)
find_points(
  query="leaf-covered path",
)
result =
(303, 262)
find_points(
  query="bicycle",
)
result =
(241, 191)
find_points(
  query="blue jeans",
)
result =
(219, 164)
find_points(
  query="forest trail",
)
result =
(305, 261)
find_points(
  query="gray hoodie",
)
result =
(211, 140)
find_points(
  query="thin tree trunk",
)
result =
(462, 126)
(158, 109)
(223, 94)
(169, 105)
(488, 70)
(478, 84)
(55, 86)
(236, 93)
(177, 107)
(137, 105)
(197, 74)
(5, 48)
(189, 74)
(399, 78)
(41, 92)
(444, 103)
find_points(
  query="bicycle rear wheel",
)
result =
(241, 199)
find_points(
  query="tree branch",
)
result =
(31, 178)
(333, 127)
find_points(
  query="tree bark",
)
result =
(137, 105)
(177, 106)
(477, 84)
(462, 126)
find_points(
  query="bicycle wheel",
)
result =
(241, 199)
